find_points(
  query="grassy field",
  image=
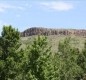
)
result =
(53, 40)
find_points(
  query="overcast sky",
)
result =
(23, 14)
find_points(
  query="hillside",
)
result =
(25, 58)
(53, 40)
(47, 32)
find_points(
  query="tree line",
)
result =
(37, 61)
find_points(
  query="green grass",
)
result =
(53, 40)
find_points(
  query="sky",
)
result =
(23, 14)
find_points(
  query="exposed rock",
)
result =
(46, 31)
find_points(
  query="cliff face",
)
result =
(46, 31)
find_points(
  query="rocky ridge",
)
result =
(47, 31)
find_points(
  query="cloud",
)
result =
(59, 6)
(4, 7)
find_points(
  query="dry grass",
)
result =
(53, 40)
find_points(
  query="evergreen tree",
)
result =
(10, 56)
(38, 59)
(81, 61)
(67, 57)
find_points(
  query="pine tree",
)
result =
(38, 59)
(67, 57)
(10, 56)
(81, 61)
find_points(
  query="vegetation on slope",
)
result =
(37, 62)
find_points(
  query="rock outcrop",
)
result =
(46, 31)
